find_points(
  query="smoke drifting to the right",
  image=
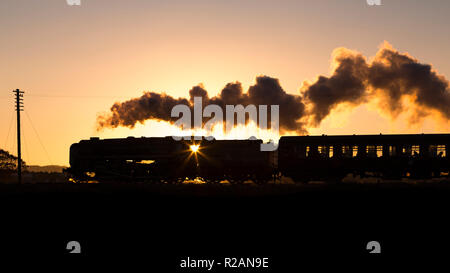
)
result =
(388, 79)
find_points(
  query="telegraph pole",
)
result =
(19, 108)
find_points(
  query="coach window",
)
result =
(313, 151)
(441, 151)
(438, 151)
(347, 151)
(355, 151)
(330, 149)
(379, 150)
(308, 149)
(371, 150)
(301, 151)
(433, 150)
(406, 150)
(392, 151)
(323, 151)
(415, 150)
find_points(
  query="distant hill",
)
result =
(47, 169)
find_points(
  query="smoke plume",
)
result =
(394, 75)
(347, 84)
(266, 91)
(388, 78)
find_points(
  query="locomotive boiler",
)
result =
(163, 159)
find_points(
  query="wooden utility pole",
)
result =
(19, 108)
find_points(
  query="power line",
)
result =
(26, 147)
(13, 137)
(39, 138)
(79, 97)
(9, 129)
(14, 143)
(71, 97)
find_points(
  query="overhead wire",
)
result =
(26, 146)
(78, 96)
(9, 130)
(14, 144)
(38, 137)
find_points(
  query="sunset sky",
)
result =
(74, 62)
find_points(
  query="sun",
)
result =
(194, 148)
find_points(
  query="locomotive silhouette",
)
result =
(301, 158)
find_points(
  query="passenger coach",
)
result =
(305, 158)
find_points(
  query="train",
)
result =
(299, 158)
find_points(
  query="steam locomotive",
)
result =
(301, 158)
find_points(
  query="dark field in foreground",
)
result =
(143, 190)
(292, 224)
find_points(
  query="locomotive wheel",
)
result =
(169, 181)
(208, 180)
(235, 181)
(179, 180)
(260, 181)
